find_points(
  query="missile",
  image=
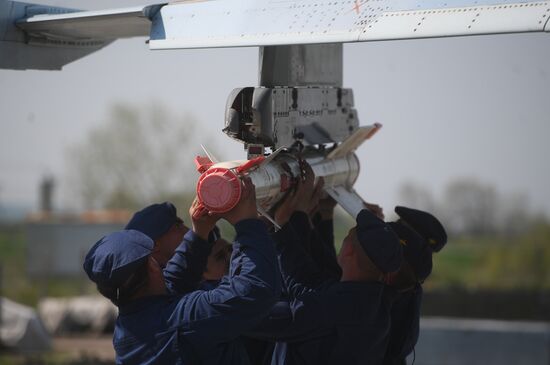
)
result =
(219, 186)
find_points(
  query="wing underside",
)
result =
(28, 32)
(276, 22)
(238, 23)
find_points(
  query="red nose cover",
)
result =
(219, 189)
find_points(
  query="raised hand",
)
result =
(203, 221)
(246, 207)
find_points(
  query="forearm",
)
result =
(291, 322)
(300, 223)
(323, 252)
(184, 271)
(325, 231)
(298, 270)
(244, 296)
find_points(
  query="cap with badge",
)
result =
(154, 220)
(426, 225)
(415, 250)
(420, 234)
(379, 242)
(112, 261)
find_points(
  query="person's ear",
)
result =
(156, 247)
(153, 266)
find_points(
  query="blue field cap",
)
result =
(426, 225)
(115, 257)
(154, 220)
(379, 241)
(415, 250)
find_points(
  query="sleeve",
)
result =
(302, 227)
(299, 272)
(322, 248)
(301, 319)
(183, 273)
(405, 325)
(242, 298)
(325, 231)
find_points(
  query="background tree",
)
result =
(139, 156)
(414, 195)
(471, 207)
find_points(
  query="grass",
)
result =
(502, 263)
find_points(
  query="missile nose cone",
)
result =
(219, 189)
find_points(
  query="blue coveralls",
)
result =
(202, 327)
(326, 321)
(319, 244)
(405, 325)
(405, 307)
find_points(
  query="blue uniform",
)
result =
(324, 254)
(325, 321)
(184, 271)
(319, 244)
(202, 327)
(405, 325)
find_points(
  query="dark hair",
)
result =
(123, 294)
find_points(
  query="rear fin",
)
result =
(272, 156)
(203, 163)
(268, 217)
(355, 140)
(212, 158)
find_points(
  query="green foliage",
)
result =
(495, 262)
(140, 155)
(13, 283)
(490, 262)
(18, 286)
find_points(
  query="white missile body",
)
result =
(218, 187)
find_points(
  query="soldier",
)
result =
(161, 223)
(155, 327)
(218, 261)
(325, 320)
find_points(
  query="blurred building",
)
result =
(57, 244)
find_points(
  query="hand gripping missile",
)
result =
(219, 186)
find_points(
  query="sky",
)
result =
(469, 107)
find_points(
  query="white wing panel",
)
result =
(234, 23)
(459, 21)
(251, 23)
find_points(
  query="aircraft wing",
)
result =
(47, 37)
(233, 23)
(239, 23)
(89, 26)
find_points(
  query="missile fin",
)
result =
(270, 158)
(209, 154)
(268, 217)
(202, 163)
(347, 198)
(355, 140)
